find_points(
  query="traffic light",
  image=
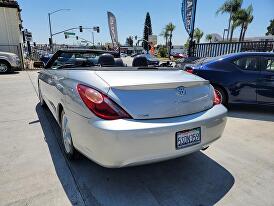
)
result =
(50, 41)
(77, 37)
(81, 28)
(98, 29)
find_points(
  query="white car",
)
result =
(124, 116)
(8, 62)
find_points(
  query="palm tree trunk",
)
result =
(231, 34)
(241, 34)
(229, 25)
(170, 40)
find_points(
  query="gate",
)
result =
(221, 48)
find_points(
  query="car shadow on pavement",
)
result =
(253, 112)
(195, 179)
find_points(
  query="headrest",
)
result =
(119, 63)
(140, 61)
(106, 60)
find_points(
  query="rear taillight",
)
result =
(216, 98)
(189, 70)
(100, 104)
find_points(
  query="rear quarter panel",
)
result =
(221, 73)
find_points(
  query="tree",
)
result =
(186, 45)
(147, 31)
(170, 28)
(129, 41)
(270, 28)
(209, 37)
(165, 34)
(198, 34)
(243, 18)
(230, 7)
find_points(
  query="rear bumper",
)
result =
(120, 143)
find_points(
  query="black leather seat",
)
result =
(106, 60)
(140, 61)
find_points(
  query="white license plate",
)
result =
(188, 138)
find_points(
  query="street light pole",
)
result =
(92, 38)
(50, 29)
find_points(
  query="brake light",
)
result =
(189, 70)
(100, 104)
(216, 99)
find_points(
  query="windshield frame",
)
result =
(58, 54)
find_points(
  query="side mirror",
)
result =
(38, 64)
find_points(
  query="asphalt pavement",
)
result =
(238, 169)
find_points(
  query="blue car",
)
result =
(240, 78)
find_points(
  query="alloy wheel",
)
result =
(219, 95)
(3, 67)
(66, 136)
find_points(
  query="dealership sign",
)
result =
(188, 14)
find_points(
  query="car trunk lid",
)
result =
(158, 94)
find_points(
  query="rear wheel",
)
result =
(221, 95)
(4, 67)
(67, 143)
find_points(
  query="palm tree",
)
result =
(198, 34)
(231, 7)
(209, 37)
(170, 28)
(165, 34)
(243, 18)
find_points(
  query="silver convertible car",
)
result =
(119, 116)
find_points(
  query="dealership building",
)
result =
(11, 35)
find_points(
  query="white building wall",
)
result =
(11, 38)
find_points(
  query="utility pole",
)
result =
(50, 29)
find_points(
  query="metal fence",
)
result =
(221, 48)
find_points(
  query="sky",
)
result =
(130, 17)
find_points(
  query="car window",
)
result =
(247, 63)
(268, 64)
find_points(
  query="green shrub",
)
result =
(163, 52)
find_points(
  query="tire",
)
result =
(222, 95)
(67, 144)
(4, 67)
(41, 100)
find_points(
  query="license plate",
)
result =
(188, 138)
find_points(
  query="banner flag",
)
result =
(188, 14)
(113, 30)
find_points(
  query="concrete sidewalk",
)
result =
(28, 175)
(236, 170)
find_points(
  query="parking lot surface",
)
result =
(238, 169)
